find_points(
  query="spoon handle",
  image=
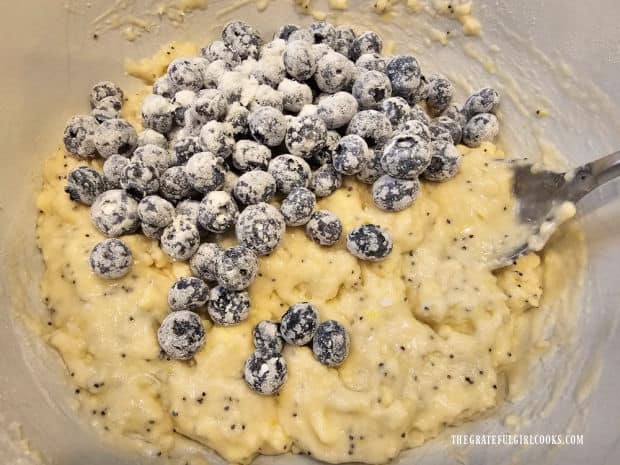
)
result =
(588, 177)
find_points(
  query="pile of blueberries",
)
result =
(248, 122)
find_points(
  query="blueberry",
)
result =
(320, 50)
(112, 170)
(324, 228)
(155, 211)
(79, 136)
(203, 262)
(218, 212)
(243, 39)
(350, 154)
(405, 156)
(267, 126)
(337, 110)
(266, 96)
(299, 60)
(440, 92)
(180, 239)
(305, 135)
(181, 101)
(218, 50)
(331, 343)
(323, 33)
(269, 70)
(370, 88)
(445, 161)
(217, 138)
(344, 40)
(371, 169)
(371, 62)
(325, 180)
(188, 208)
(139, 179)
(157, 113)
(151, 232)
(174, 184)
(417, 128)
(260, 227)
(369, 242)
(404, 73)
(230, 181)
(266, 337)
(84, 184)
(181, 335)
(334, 72)
(114, 213)
(439, 131)
(187, 73)
(418, 114)
(110, 259)
(102, 90)
(324, 155)
(294, 95)
(228, 307)
(210, 104)
(396, 109)
(302, 34)
(455, 113)
(188, 293)
(367, 42)
(249, 155)
(374, 127)
(237, 117)
(254, 187)
(164, 87)
(150, 136)
(236, 268)
(449, 125)
(298, 206)
(234, 86)
(482, 127)
(153, 156)
(265, 372)
(289, 172)
(185, 148)
(285, 31)
(108, 108)
(205, 172)
(299, 323)
(420, 93)
(485, 100)
(392, 194)
(214, 73)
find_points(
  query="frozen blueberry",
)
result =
(320, 50)
(79, 136)
(373, 126)
(370, 88)
(188, 293)
(187, 72)
(175, 185)
(185, 148)
(157, 113)
(367, 42)
(102, 90)
(344, 40)
(298, 206)
(404, 73)
(420, 93)
(205, 172)
(405, 156)
(485, 100)
(324, 228)
(371, 169)
(181, 101)
(234, 86)
(210, 104)
(334, 72)
(350, 154)
(266, 336)
(396, 109)
(449, 125)
(115, 136)
(114, 213)
(164, 87)
(337, 110)
(440, 92)
(214, 73)
(266, 96)
(236, 268)
(111, 259)
(84, 184)
(285, 31)
(153, 156)
(180, 239)
(439, 131)
(482, 127)
(299, 323)
(307, 110)
(265, 372)
(181, 335)
(393, 194)
(254, 187)
(228, 307)
(113, 169)
(218, 50)
(445, 161)
(237, 117)
(217, 138)
(243, 39)
(418, 114)
(108, 108)
(150, 136)
(371, 62)
(305, 135)
(151, 232)
(218, 212)
(188, 208)
(294, 95)
(260, 227)
(455, 113)
(155, 211)
(267, 126)
(299, 60)
(289, 172)
(325, 180)
(302, 34)
(249, 155)
(369, 242)
(270, 70)
(324, 154)
(416, 128)
(323, 33)
(331, 343)
(139, 179)
(203, 262)
(230, 181)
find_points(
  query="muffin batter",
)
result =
(433, 330)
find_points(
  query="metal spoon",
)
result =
(540, 193)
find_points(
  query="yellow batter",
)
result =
(434, 333)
